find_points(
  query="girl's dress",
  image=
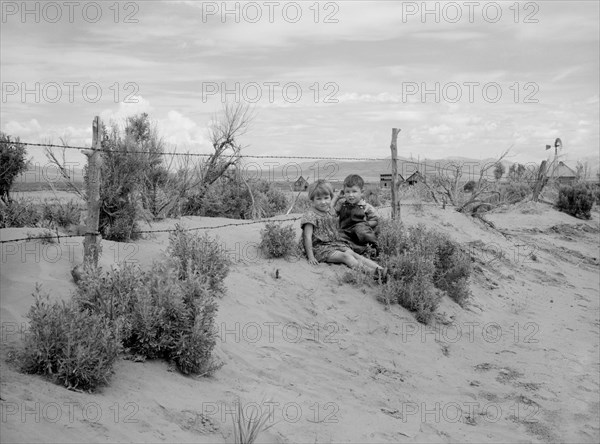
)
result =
(326, 239)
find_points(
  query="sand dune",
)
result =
(521, 364)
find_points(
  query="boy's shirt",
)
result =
(351, 214)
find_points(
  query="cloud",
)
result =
(31, 128)
(182, 131)
(384, 97)
(136, 105)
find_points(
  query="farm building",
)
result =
(415, 178)
(301, 184)
(385, 180)
(564, 175)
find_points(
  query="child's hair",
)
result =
(354, 180)
(320, 188)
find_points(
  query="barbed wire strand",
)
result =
(387, 159)
(45, 145)
(258, 221)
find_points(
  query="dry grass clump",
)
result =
(246, 430)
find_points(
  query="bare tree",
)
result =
(61, 165)
(447, 183)
(481, 188)
(225, 132)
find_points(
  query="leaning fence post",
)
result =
(91, 243)
(394, 148)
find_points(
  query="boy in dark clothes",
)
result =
(358, 219)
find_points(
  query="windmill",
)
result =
(543, 177)
(557, 146)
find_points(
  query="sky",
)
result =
(332, 79)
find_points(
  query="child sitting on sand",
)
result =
(358, 219)
(321, 237)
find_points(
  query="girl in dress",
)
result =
(320, 235)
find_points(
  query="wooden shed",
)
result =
(564, 175)
(415, 178)
(301, 184)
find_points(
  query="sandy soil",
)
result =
(520, 364)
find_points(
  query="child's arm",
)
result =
(335, 201)
(307, 233)
(372, 218)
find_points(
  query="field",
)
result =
(519, 364)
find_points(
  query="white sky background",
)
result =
(363, 55)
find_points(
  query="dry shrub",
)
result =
(278, 241)
(421, 264)
(158, 314)
(230, 197)
(515, 192)
(301, 204)
(19, 213)
(62, 214)
(74, 347)
(201, 255)
(452, 271)
(576, 200)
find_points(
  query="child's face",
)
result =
(322, 203)
(353, 194)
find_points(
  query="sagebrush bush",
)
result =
(202, 255)
(19, 214)
(62, 214)
(371, 196)
(576, 200)
(73, 346)
(158, 315)
(277, 240)
(421, 262)
(269, 199)
(392, 237)
(410, 282)
(417, 294)
(515, 192)
(123, 170)
(595, 189)
(302, 204)
(452, 270)
(230, 197)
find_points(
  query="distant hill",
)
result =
(48, 173)
(288, 170)
(369, 170)
(38, 177)
(335, 170)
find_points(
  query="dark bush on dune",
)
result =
(576, 200)
(72, 346)
(165, 312)
(422, 264)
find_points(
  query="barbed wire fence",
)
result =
(96, 148)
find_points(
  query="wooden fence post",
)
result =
(91, 243)
(394, 148)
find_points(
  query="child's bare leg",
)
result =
(368, 263)
(347, 257)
